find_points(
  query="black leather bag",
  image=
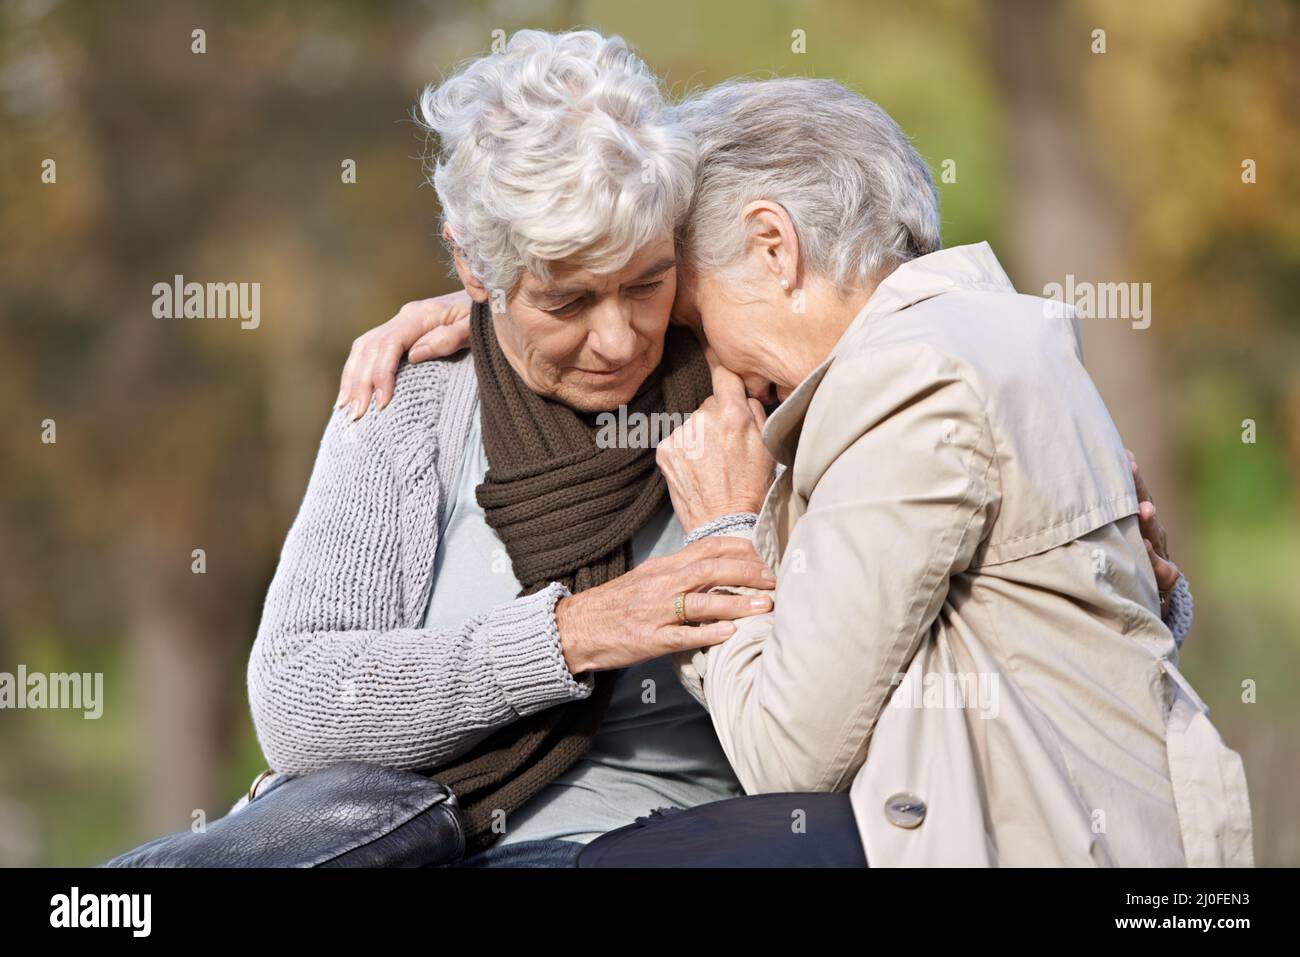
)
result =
(757, 830)
(348, 815)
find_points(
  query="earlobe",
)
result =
(772, 232)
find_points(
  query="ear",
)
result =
(773, 241)
(477, 291)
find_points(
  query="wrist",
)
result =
(1178, 615)
(572, 641)
(695, 522)
(527, 659)
(735, 523)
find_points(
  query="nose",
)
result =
(611, 336)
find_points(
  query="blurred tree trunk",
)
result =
(158, 477)
(179, 689)
(1064, 219)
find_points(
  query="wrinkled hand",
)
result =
(632, 618)
(716, 463)
(421, 330)
(1153, 536)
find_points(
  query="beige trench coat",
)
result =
(966, 633)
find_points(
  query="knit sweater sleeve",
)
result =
(337, 671)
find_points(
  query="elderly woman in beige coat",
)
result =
(966, 631)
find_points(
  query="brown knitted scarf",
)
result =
(566, 511)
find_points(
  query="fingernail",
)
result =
(726, 627)
(769, 575)
(759, 602)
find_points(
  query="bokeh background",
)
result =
(1122, 166)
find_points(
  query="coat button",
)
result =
(905, 810)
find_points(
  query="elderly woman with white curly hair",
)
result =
(474, 585)
(967, 630)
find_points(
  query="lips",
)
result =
(603, 373)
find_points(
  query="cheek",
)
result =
(651, 316)
(721, 332)
(650, 320)
(560, 344)
(540, 343)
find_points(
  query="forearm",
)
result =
(846, 643)
(341, 668)
(689, 665)
(895, 508)
(408, 698)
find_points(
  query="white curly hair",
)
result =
(558, 148)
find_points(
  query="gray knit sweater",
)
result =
(342, 668)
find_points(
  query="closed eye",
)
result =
(569, 309)
(645, 290)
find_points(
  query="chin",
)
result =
(759, 387)
(589, 394)
(587, 397)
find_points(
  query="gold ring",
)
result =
(252, 789)
(679, 608)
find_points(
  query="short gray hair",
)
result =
(558, 147)
(861, 197)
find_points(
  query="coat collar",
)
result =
(961, 267)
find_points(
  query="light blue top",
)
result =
(656, 746)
